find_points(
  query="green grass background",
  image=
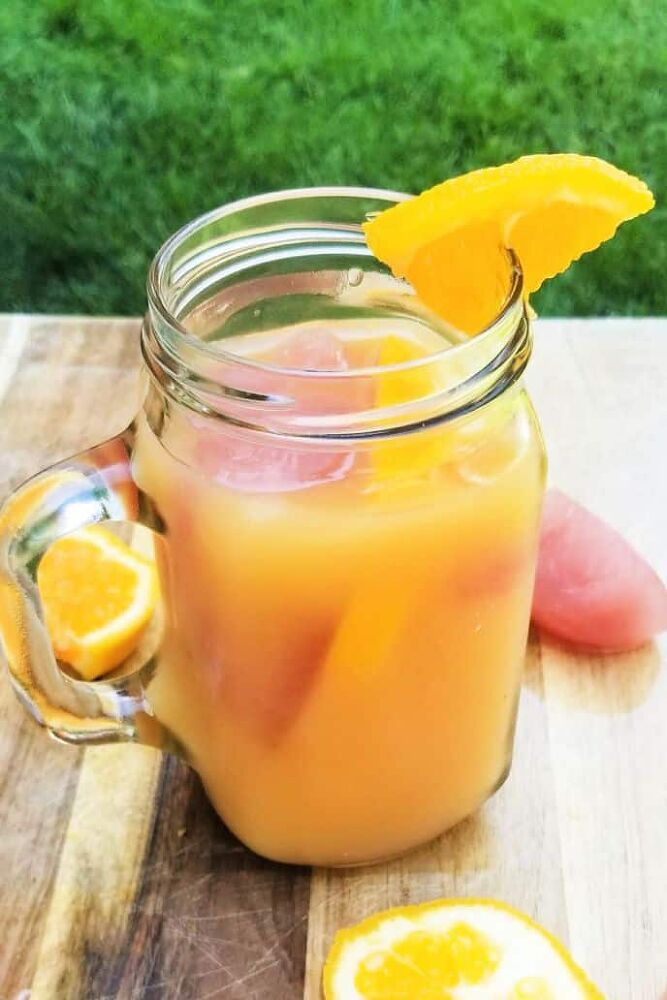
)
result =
(121, 119)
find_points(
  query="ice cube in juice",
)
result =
(347, 620)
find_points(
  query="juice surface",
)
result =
(346, 621)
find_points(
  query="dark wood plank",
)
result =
(124, 881)
(38, 777)
(154, 898)
(210, 918)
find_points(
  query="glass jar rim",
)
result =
(164, 334)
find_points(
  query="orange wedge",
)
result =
(549, 209)
(98, 597)
(452, 949)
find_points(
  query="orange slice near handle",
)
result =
(98, 597)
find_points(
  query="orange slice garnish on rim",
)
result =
(452, 949)
(549, 209)
(98, 597)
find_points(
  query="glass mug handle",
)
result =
(93, 487)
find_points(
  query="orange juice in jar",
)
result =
(347, 493)
(351, 516)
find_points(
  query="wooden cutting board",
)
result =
(118, 880)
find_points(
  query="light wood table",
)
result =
(117, 879)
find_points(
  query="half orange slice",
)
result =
(452, 949)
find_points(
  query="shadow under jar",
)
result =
(345, 494)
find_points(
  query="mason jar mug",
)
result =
(343, 495)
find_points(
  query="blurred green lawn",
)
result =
(121, 119)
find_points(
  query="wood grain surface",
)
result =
(118, 880)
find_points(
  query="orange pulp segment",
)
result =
(452, 949)
(549, 208)
(98, 596)
(402, 386)
(398, 461)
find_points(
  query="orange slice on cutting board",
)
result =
(98, 597)
(549, 208)
(452, 949)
